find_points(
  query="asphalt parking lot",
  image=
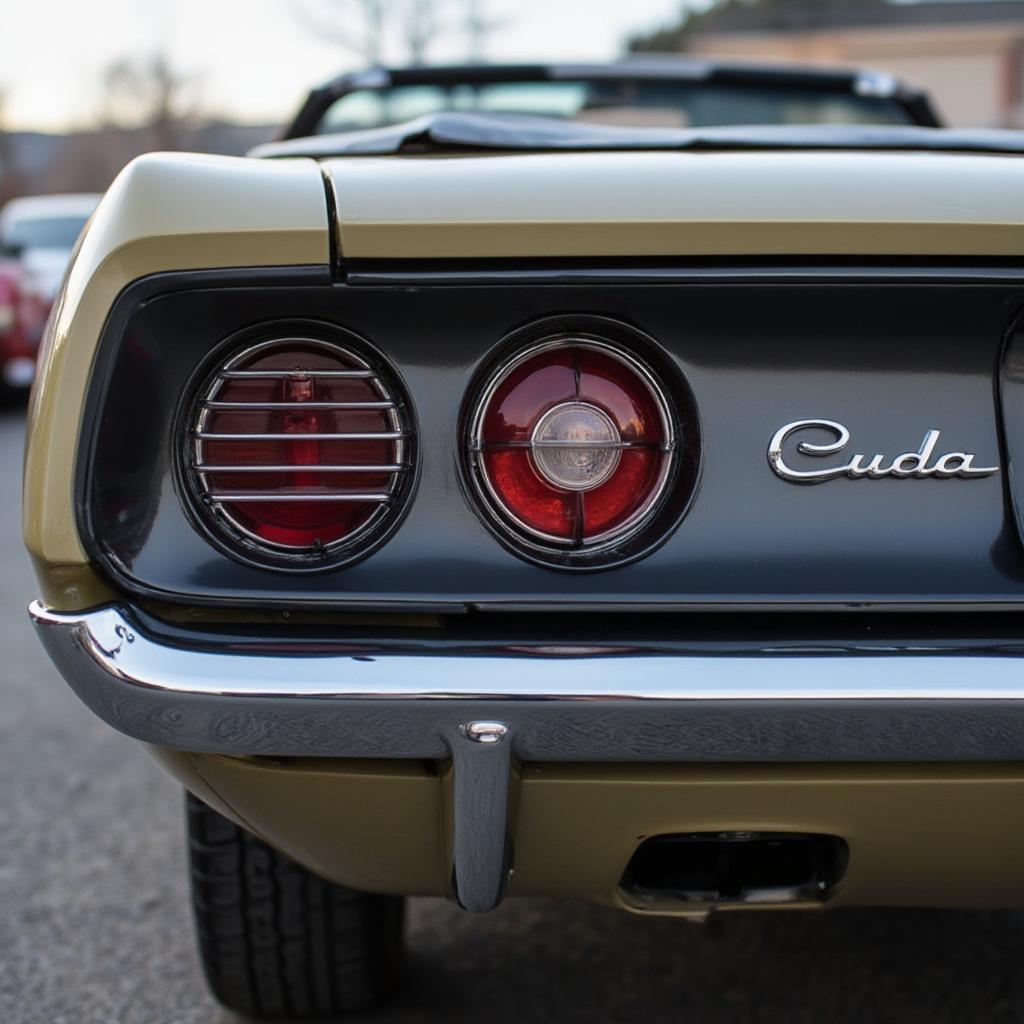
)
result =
(95, 925)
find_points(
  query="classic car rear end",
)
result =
(630, 526)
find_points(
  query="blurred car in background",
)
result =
(22, 318)
(664, 92)
(37, 237)
(41, 231)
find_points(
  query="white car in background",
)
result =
(42, 231)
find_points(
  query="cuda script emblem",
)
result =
(922, 463)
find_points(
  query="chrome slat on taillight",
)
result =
(300, 451)
(392, 468)
(285, 374)
(392, 435)
(229, 406)
(249, 496)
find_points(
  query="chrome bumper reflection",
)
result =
(484, 705)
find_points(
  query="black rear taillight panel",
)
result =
(741, 353)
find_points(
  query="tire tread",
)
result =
(275, 940)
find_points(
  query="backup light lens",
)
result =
(572, 446)
(575, 446)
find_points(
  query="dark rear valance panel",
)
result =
(889, 359)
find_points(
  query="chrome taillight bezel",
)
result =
(214, 518)
(650, 524)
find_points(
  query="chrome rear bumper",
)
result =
(484, 704)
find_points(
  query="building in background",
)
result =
(969, 56)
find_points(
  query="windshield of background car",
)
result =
(640, 102)
(44, 232)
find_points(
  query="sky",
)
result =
(253, 60)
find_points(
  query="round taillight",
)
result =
(573, 449)
(299, 452)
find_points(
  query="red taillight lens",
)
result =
(299, 447)
(572, 445)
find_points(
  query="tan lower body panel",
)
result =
(374, 825)
(918, 834)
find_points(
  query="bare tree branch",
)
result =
(148, 92)
(421, 26)
(479, 27)
(355, 25)
(9, 186)
(403, 31)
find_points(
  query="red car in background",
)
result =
(23, 314)
(37, 236)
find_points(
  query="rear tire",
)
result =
(277, 941)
